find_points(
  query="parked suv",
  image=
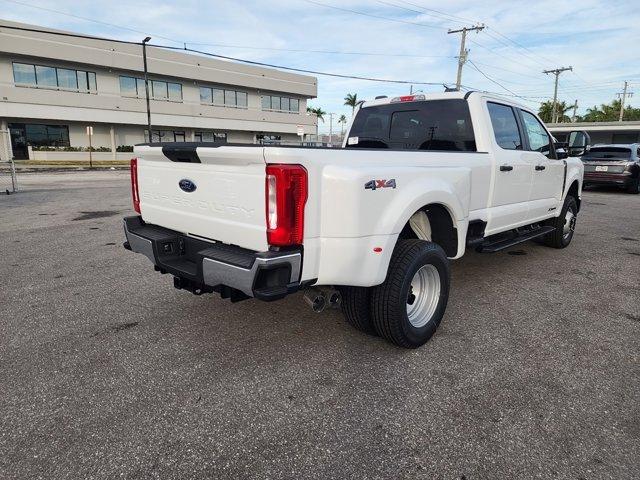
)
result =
(613, 165)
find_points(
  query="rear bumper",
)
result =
(202, 266)
(600, 178)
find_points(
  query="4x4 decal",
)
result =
(375, 184)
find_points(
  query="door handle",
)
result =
(506, 168)
(540, 167)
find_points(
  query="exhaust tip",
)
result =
(316, 300)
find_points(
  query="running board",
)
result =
(502, 243)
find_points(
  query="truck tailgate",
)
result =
(228, 202)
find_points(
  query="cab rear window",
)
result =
(425, 125)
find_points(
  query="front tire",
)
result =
(407, 308)
(565, 225)
(634, 186)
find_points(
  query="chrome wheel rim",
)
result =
(424, 295)
(569, 224)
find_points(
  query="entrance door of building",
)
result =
(19, 141)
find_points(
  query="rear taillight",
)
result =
(134, 185)
(286, 195)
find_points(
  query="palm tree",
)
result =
(351, 100)
(610, 113)
(319, 113)
(342, 121)
(546, 111)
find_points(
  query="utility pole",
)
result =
(575, 108)
(146, 84)
(331, 128)
(556, 72)
(462, 58)
(623, 96)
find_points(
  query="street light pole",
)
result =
(331, 128)
(146, 84)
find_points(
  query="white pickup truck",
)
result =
(372, 225)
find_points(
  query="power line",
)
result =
(329, 52)
(300, 70)
(226, 57)
(518, 44)
(87, 19)
(67, 34)
(507, 70)
(423, 12)
(453, 18)
(493, 81)
(380, 17)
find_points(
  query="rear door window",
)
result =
(422, 125)
(505, 126)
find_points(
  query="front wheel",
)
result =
(407, 308)
(565, 225)
(634, 186)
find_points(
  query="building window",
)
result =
(178, 136)
(40, 76)
(280, 104)
(223, 98)
(128, 87)
(38, 135)
(158, 89)
(268, 138)
(165, 136)
(217, 137)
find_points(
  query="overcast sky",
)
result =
(403, 39)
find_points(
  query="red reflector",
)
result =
(377, 249)
(407, 98)
(286, 196)
(134, 185)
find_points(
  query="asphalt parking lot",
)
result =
(107, 371)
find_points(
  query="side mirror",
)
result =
(561, 150)
(578, 144)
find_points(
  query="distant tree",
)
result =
(342, 121)
(319, 113)
(545, 112)
(610, 113)
(351, 100)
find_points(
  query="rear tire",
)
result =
(407, 308)
(355, 308)
(634, 186)
(565, 225)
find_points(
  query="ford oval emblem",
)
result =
(187, 185)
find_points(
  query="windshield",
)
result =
(423, 125)
(608, 153)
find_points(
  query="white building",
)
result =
(53, 87)
(600, 132)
